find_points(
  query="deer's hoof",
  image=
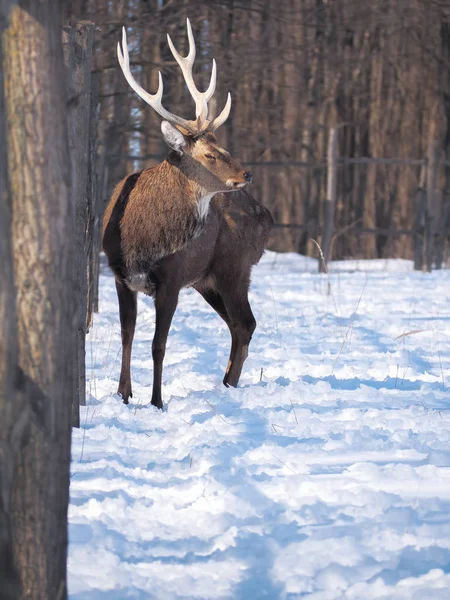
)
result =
(125, 394)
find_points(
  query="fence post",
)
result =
(419, 229)
(433, 208)
(77, 44)
(95, 207)
(439, 235)
(330, 200)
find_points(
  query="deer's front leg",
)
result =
(165, 305)
(128, 312)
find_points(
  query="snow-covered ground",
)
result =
(325, 475)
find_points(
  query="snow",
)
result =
(325, 475)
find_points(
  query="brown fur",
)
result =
(156, 242)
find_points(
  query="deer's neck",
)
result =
(194, 181)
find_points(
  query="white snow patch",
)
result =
(325, 475)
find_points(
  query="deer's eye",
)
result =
(210, 156)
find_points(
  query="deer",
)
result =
(186, 222)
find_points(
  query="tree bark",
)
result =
(419, 240)
(433, 204)
(77, 44)
(13, 417)
(42, 231)
(95, 207)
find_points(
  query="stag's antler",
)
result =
(154, 100)
(186, 64)
(200, 98)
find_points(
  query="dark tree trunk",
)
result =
(43, 241)
(12, 417)
(77, 43)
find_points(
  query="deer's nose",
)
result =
(248, 176)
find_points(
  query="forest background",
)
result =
(378, 70)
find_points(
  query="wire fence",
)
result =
(431, 226)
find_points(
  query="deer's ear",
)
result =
(173, 137)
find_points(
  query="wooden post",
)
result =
(433, 207)
(439, 237)
(96, 206)
(330, 201)
(77, 43)
(419, 233)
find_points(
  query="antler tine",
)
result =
(212, 82)
(220, 119)
(154, 100)
(186, 64)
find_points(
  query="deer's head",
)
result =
(194, 142)
(204, 161)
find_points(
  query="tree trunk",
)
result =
(43, 241)
(96, 207)
(77, 44)
(433, 205)
(419, 236)
(12, 416)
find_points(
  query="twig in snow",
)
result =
(442, 370)
(348, 328)
(274, 260)
(275, 311)
(184, 387)
(413, 332)
(279, 427)
(136, 407)
(215, 410)
(322, 257)
(295, 414)
(111, 334)
(329, 289)
(84, 434)
(284, 464)
(93, 373)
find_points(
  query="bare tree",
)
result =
(12, 416)
(77, 45)
(42, 242)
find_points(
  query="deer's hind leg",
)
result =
(242, 323)
(128, 313)
(214, 299)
